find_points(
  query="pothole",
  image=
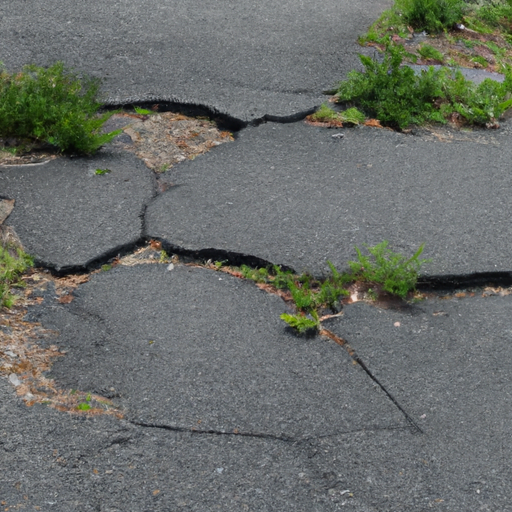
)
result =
(164, 139)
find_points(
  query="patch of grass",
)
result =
(54, 106)
(85, 406)
(100, 172)
(301, 323)
(382, 268)
(428, 52)
(477, 59)
(13, 262)
(326, 114)
(399, 97)
(396, 273)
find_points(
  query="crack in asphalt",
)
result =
(352, 353)
(261, 435)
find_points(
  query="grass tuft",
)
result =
(54, 106)
(13, 262)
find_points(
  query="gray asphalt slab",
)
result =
(67, 216)
(53, 461)
(195, 348)
(242, 58)
(293, 195)
(281, 422)
(448, 364)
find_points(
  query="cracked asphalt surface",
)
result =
(223, 408)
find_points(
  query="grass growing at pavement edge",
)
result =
(399, 97)
(13, 262)
(53, 106)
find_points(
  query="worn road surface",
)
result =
(195, 396)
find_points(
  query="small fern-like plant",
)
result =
(396, 273)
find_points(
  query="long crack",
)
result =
(24, 361)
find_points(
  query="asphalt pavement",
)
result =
(213, 402)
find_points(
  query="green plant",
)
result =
(480, 60)
(143, 111)
(164, 257)
(396, 273)
(430, 15)
(398, 97)
(85, 406)
(302, 323)
(54, 106)
(350, 116)
(429, 52)
(106, 267)
(101, 171)
(13, 262)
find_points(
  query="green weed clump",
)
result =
(381, 268)
(429, 52)
(13, 262)
(54, 106)
(326, 114)
(430, 15)
(399, 97)
(396, 273)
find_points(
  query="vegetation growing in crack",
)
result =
(396, 273)
(13, 262)
(382, 270)
(471, 34)
(325, 114)
(399, 97)
(52, 106)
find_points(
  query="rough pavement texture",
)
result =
(193, 348)
(448, 363)
(282, 423)
(290, 194)
(69, 217)
(245, 59)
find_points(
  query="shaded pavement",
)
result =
(215, 404)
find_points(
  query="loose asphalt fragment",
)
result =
(68, 216)
(291, 195)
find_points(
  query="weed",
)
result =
(13, 262)
(326, 114)
(429, 52)
(106, 267)
(143, 111)
(302, 323)
(85, 406)
(396, 273)
(164, 257)
(398, 97)
(101, 171)
(477, 59)
(430, 15)
(54, 106)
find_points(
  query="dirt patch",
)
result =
(165, 139)
(161, 140)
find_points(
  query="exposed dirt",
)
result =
(161, 140)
